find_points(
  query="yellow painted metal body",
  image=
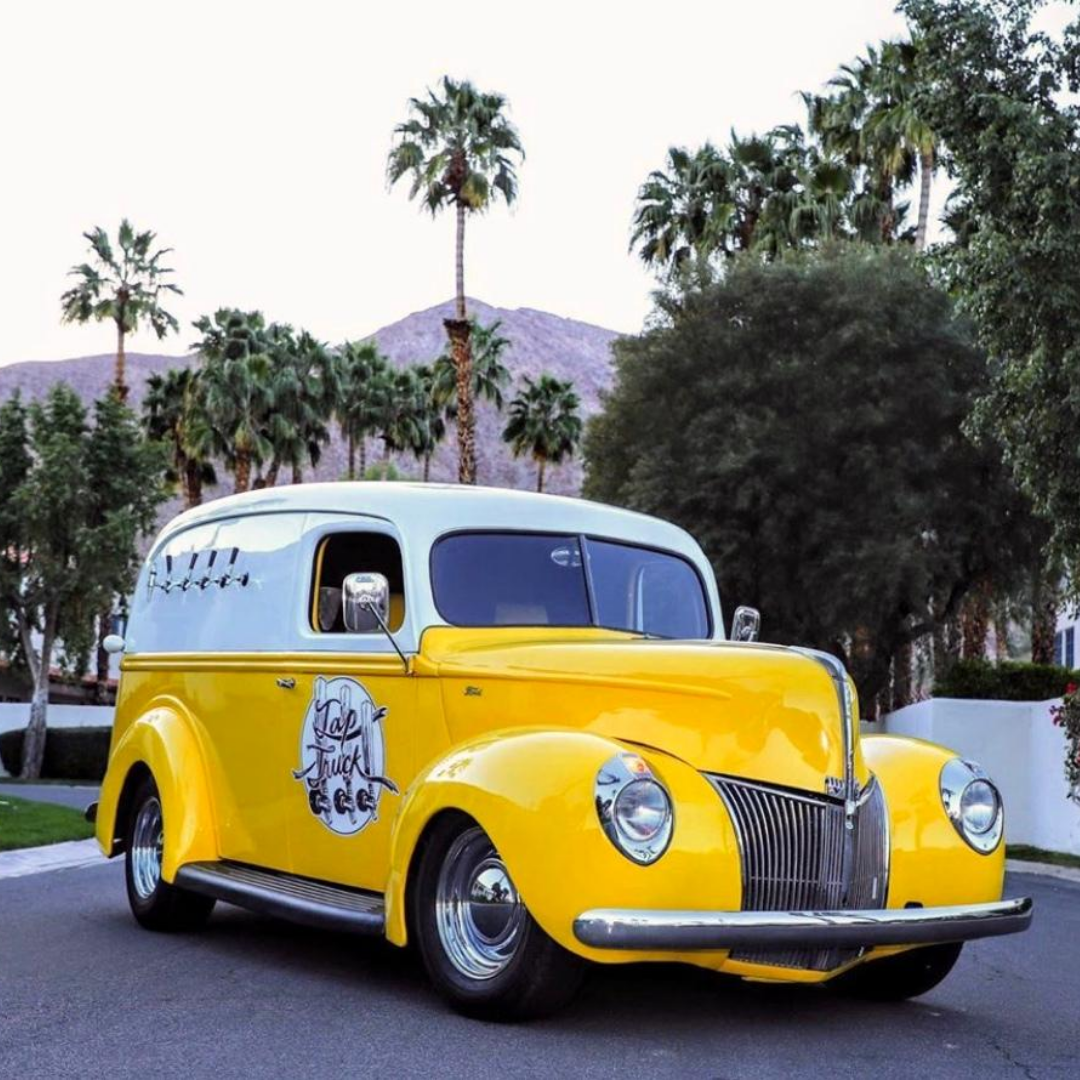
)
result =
(511, 726)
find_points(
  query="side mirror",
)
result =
(113, 643)
(365, 602)
(745, 624)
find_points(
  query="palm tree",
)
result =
(361, 370)
(170, 408)
(461, 151)
(402, 412)
(490, 374)
(123, 285)
(303, 393)
(432, 428)
(873, 119)
(683, 211)
(236, 391)
(544, 422)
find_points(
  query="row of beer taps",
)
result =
(227, 576)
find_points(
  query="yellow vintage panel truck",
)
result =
(510, 730)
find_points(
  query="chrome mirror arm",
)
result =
(369, 605)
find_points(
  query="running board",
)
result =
(286, 896)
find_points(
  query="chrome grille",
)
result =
(795, 858)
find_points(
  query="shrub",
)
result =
(1005, 681)
(1067, 716)
(70, 753)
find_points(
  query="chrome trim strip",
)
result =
(286, 896)
(627, 928)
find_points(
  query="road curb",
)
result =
(66, 855)
(1023, 866)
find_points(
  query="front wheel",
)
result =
(482, 949)
(155, 903)
(897, 978)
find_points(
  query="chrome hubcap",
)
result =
(146, 849)
(478, 913)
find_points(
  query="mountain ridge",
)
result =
(540, 341)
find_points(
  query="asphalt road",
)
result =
(85, 992)
(77, 796)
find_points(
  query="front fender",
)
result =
(532, 791)
(930, 864)
(164, 740)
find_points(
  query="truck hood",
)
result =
(757, 711)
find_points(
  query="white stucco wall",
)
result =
(16, 714)
(1019, 746)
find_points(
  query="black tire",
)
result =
(897, 978)
(537, 976)
(155, 903)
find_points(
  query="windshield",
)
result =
(546, 579)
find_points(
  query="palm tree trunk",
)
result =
(1044, 607)
(459, 264)
(926, 175)
(121, 363)
(243, 470)
(975, 621)
(541, 463)
(272, 472)
(459, 331)
(352, 456)
(192, 483)
(427, 468)
(297, 473)
(363, 456)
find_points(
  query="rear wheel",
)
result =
(155, 903)
(896, 978)
(482, 949)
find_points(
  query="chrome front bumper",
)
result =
(685, 931)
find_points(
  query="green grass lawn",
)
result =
(27, 824)
(1035, 854)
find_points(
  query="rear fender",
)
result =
(164, 741)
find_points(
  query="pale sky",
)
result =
(253, 136)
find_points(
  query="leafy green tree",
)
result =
(122, 285)
(803, 419)
(461, 151)
(170, 409)
(361, 371)
(544, 422)
(75, 498)
(235, 381)
(996, 91)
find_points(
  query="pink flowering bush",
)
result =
(1067, 716)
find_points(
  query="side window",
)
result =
(344, 553)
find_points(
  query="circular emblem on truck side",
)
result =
(343, 755)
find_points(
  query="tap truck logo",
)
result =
(343, 755)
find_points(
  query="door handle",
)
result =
(287, 683)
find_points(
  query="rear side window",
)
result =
(505, 579)
(344, 553)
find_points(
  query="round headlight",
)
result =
(973, 804)
(979, 807)
(641, 811)
(634, 808)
